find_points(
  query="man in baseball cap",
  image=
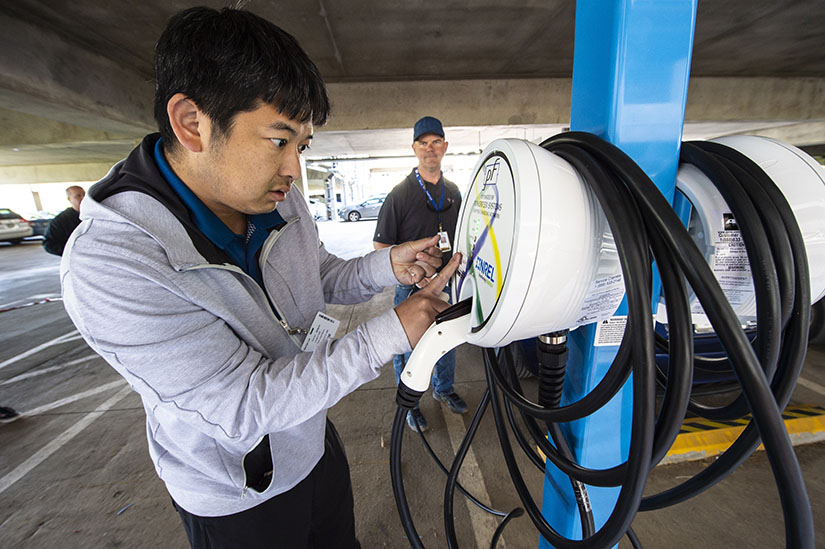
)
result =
(425, 203)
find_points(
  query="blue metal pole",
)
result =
(630, 81)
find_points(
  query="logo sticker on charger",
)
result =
(490, 221)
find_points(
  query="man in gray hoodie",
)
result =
(199, 277)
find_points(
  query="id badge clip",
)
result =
(444, 241)
(322, 329)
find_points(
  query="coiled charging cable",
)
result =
(646, 229)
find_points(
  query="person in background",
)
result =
(423, 204)
(61, 227)
(198, 275)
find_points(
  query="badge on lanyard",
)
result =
(322, 329)
(444, 241)
(443, 237)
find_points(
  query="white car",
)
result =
(369, 208)
(318, 209)
(13, 228)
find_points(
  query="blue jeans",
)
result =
(444, 371)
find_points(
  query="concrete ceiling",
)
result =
(76, 83)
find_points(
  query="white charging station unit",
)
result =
(713, 227)
(538, 253)
(539, 257)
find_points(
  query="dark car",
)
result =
(13, 228)
(40, 222)
(369, 208)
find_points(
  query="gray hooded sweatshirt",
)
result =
(198, 339)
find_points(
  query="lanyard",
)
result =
(430, 198)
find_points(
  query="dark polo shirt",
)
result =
(407, 216)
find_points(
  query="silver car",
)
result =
(368, 208)
(13, 228)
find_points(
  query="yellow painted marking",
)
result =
(697, 443)
(701, 444)
(717, 424)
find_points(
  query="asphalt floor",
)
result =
(75, 471)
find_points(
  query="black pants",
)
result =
(317, 513)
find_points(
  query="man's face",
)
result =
(429, 149)
(252, 169)
(75, 196)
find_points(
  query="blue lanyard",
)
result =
(430, 198)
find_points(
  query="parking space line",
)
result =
(36, 373)
(13, 307)
(58, 442)
(808, 384)
(470, 477)
(71, 336)
(36, 297)
(73, 398)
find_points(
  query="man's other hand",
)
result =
(418, 312)
(414, 261)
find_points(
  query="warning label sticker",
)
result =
(731, 268)
(610, 331)
(602, 300)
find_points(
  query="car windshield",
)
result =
(8, 214)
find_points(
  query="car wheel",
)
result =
(353, 216)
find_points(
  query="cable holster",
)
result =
(552, 358)
(407, 398)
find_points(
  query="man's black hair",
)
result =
(228, 62)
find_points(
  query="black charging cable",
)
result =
(407, 399)
(793, 348)
(646, 229)
(633, 201)
(670, 242)
(552, 353)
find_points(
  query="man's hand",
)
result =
(414, 261)
(418, 311)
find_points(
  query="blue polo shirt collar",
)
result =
(242, 249)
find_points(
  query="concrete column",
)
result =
(36, 197)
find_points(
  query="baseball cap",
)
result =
(426, 125)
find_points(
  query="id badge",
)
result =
(323, 328)
(444, 241)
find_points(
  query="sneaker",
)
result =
(7, 415)
(454, 402)
(414, 416)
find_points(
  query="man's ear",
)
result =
(190, 125)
